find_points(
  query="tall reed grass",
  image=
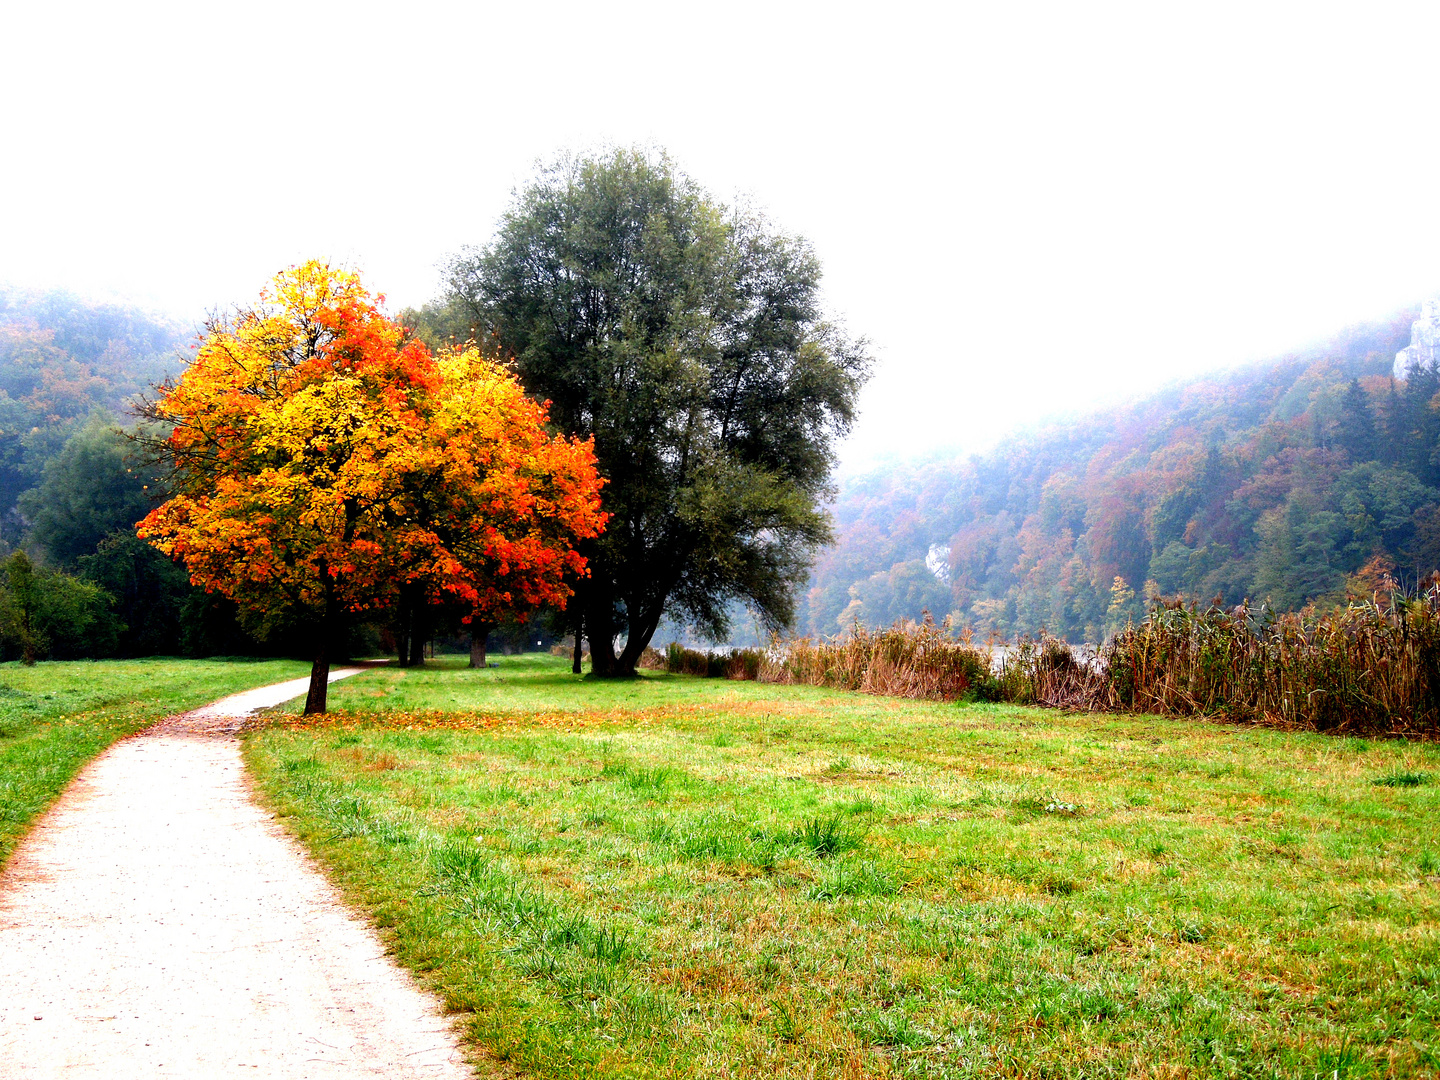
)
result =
(1368, 668)
(917, 660)
(678, 660)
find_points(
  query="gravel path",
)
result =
(157, 922)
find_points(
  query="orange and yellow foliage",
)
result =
(322, 461)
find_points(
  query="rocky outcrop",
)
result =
(1424, 347)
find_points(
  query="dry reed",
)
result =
(917, 660)
(678, 660)
(1371, 667)
(1368, 668)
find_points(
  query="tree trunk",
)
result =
(319, 682)
(478, 633)
(628, 660)
(402, 628)
(600, 618)
(419, 631)
(641, 631)
(320, 668)
(579, 646)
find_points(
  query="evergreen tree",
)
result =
(1418, 433)
(1355, 430)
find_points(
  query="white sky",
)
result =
(1028, 208)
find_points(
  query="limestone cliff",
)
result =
(1424, 347)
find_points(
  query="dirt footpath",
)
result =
(159, 923)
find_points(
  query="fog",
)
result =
(1025, 208)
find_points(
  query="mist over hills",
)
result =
(62, 359)
(1294, 481)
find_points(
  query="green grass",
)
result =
(678, 877)
(54, 717)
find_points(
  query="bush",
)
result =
(49, 615)
(152, 596)
(1047, 671)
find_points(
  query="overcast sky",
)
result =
(1027, 208)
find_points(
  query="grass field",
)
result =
(54, 717)
(697, 878)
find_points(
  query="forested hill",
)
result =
(61, 360)
(1290, 482)
(72, 489)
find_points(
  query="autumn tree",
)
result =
(316, 468)
(504, 500)
(687, 340)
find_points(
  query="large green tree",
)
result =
(687, 338)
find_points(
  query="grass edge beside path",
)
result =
(57, 716)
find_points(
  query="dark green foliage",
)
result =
(1402, 779)
(827, 836)
(1297, 558)
(152, 597)
(1355, 429)
(1173, 514)
(21, 627)
(93, 488)
(687, 340)
(45, 614)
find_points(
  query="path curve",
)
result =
(157, 922)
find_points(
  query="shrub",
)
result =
(46, 614)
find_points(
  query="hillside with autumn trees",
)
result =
(64, 360)
(1294, 482)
